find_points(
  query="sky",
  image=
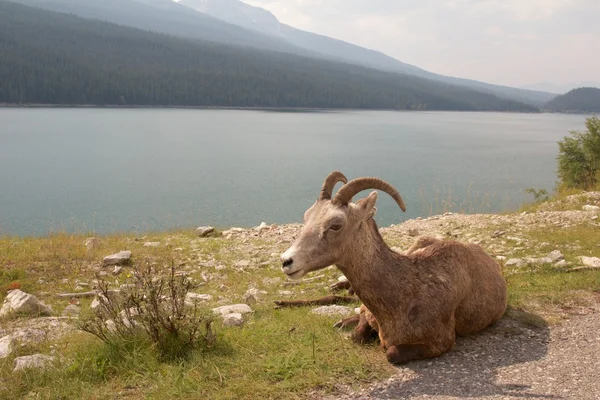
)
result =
(509, 42)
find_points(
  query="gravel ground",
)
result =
(511, 360)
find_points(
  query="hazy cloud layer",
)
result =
(513, 42)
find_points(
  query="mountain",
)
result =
(234, 22)
(255, 18)
(166, 16)
(55, 58)
(560, 89)
(582, 100)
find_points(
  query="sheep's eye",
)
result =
(335, 227)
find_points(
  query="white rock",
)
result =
(118, 269)
(342, 279)
(515, 262)
(33, 361)
(556, 255)
(261, 227)
(21, 303)
(592, 262)
(333, 310)
(589, 207)
(202, 231)
(500, 258)
(242, 264)
(29, 336)
(71, 311)
(561, 264)
(92, 243)
(233, 319)
(197, 298)
(538, 261)
(6, 346)
(151, 244)
(120, 258)
(285, 293)
(232, 309)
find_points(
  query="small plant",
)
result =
(152, 309)
(579, 157)
(539, 195)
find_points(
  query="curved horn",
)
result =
(348, 191)
(329, 183)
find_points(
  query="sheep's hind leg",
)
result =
(364, 331)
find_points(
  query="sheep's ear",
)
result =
(367, 205)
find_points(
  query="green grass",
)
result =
(278, 354)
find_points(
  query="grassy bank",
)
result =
(278, 353)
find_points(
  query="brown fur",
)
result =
(418, 301)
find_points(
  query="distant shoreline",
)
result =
(240, 108)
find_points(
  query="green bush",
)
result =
(579, 157)
(153, 310)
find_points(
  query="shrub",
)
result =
(152, 309)
(579, 157)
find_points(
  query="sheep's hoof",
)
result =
(403, 353)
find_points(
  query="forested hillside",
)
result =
(582, 100)
(53, 58)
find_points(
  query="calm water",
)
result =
(108, 170)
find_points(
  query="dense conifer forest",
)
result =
(54, 58)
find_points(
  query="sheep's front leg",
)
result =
(403, 353)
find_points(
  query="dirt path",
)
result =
(511, 360)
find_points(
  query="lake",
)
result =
(137, 170)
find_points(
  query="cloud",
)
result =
(510, 42)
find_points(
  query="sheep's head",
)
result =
(330, 224)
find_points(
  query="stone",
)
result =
(561, 264)
(233, 319)
(538, 261)
(151, 244)
(589, 207)
(590, 262)
(342, 279)
(333, 310)
(514, 262)
(285, 293)
(232, 309)
(118, 269)
(556, 255)
(497, 234)
(33, 361)
(6, 346)
(71, 311)
(500, 258)
(261, 227)
(194, 298)
(249, 299)
(120, 258)
(18, 302)
(242, 264)
(594, 218)
(92, 243)
(203, 231)
(413, 232)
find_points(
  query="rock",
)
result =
(203, 231)
(18, 302)
(120, 258)
(590, 262)
(589, 207)
(413, 232)
(98, 304)
(561, 264)
(514, 262)
(342, 279)
(71, 311)
(118, 269)
(92, 243)
(497, 234)
(285, 293)
(194, 298)
(261, 227)
(594, 218)
(556, 255)
(252, 296)
(6, 346)
(29, 336)
(538, 261)
(232, 309)
(500, 258)
(33, 361)
(242, 264)
(151, 244)
(233, 319)
(333, 310)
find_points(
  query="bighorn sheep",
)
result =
(417, 302)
